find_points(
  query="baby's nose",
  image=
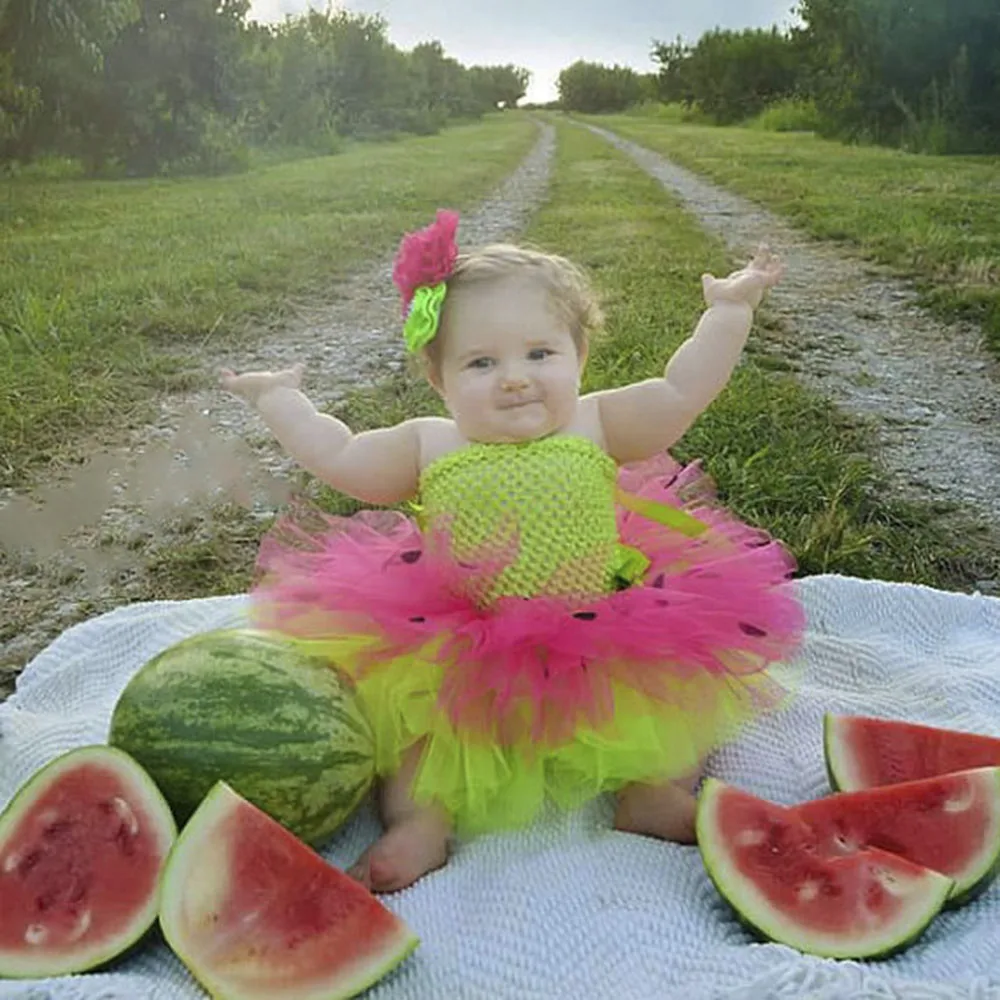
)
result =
(513, 376)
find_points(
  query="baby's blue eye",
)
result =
(539, 354)
(480, 363)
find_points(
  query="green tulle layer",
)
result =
(485, 785)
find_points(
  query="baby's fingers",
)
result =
(775, 270)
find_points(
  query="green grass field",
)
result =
(934, 218)
(95, 275)
(783, 458)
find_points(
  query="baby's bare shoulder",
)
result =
(436, 436)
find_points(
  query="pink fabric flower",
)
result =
(427, 256)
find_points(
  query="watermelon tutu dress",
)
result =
(546, 626)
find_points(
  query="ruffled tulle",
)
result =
(521, 699)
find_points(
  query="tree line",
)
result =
(923, 74)
(154, 86)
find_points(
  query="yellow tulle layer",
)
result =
(487, 786)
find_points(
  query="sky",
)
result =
(545, 37)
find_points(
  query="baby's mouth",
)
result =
(517, 404)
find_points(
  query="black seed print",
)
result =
(660, 581)
(585, 616)
(747, 629)
(411, 556)
(418, 619)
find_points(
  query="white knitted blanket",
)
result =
(570, 908)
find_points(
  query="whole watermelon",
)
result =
(281, 727)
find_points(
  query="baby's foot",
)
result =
(664, 811)
(408, 850)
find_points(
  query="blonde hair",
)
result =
(568, 290)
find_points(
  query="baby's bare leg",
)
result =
(665, 810)
(415, 840)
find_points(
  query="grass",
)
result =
(783, 458)
(789, 115)
(930, 217)
(95, 276)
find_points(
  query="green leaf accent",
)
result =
(425, 313)
(662, 513)
(631, 564)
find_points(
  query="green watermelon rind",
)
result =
(991, 868)
(980, 878)
(145, 924)
(221, 797)
(753, 914)
(836, 757)
(292, 770)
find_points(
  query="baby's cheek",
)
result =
(566, 386)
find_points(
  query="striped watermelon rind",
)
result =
(284, 728)
(837, 762)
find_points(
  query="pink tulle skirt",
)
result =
(715, 607)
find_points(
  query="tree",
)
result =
(594, 88)
(31, 30)
(674, 83)
(496, 86)
(920, 72)
(729, 75)
(53, 51)
(169, 86)
(183, 85)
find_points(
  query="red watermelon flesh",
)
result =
(82, 845)
(254, 913)
(768, 863)
(949, 823)
(863, 752)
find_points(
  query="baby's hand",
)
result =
(252, 385)
(747, 285)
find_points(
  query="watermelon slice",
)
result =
(254, 913)
(767, 863)
(949, 823)
(862, 752)
(82, 846)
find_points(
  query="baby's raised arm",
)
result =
(378, 467)
(643, 419)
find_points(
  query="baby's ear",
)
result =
(433, 376)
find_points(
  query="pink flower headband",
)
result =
(423, 264)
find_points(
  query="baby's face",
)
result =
(509, 369)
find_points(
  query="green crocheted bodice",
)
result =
(554, 498)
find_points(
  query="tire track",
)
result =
(78, 544)
(928, 388)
